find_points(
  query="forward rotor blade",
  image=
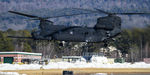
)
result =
(89, 10)
(34, 19)
(66, 15)
(19, 13)
(99, 10)
(38, 18)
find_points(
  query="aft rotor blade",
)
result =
(109, 13)
(132, 13)
(27, 15)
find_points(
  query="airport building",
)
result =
(18, 57)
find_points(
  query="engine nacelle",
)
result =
(44, 24)
(108, 22)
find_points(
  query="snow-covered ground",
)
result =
(15, 73)
(100, 74)
(19, 67)
(10, 73)
(65, 65)
(96, 62)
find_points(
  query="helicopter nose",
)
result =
(32, 34)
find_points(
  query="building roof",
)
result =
(23, 53)
(71, 57)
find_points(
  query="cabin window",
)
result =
(71, 32)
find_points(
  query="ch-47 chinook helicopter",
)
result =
(105, 29)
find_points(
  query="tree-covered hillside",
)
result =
(53, 7)
(133, 44)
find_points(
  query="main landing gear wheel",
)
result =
(105, 45)
(61, 44)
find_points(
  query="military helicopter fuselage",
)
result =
(105, 28)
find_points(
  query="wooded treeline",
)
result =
(134, 44)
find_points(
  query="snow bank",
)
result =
(65, 65)
(98, 59)
(19, 67)
(10, 73)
